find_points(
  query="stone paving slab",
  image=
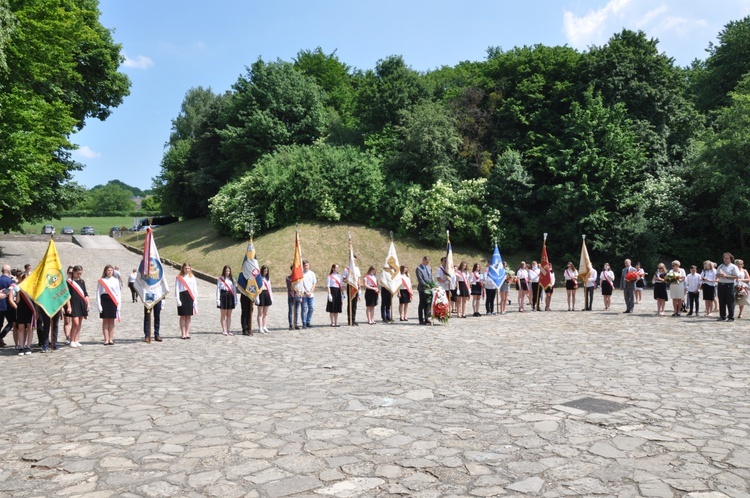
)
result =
(474, 408)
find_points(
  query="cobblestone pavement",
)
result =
(474, 408)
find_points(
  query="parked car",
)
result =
(87, 231)
(68, 231)
(48, 230)
(114, 232)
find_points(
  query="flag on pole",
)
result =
(46, 285)
(584, 266)
(496, 271)
(390, 277)
(297, 267)
(545, 275)
(249, 281)
(150, 282)
(352, 273)
(448, 270)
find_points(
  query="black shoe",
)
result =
(720, 319)
(309, 326)
(730, 319)
(421, 322)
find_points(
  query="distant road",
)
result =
(96, 242)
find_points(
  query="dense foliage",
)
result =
(646, 158)
(58, 67)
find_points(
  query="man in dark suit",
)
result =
(424, 279)
(628, 288)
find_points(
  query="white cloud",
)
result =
(647, 18)
(582, 31)
(87, 153)
(140, 62)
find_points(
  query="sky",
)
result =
(171, 46)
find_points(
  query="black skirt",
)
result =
(523, 285)
(371, 297)
(463, 289)
(24, 314)
(476, 289)
(109, 310)
(334, 305)
(10, 315)
(570, 284)
(226, 300)
(660, 291)
(404, 297)
(78, 305)
(264, 299)
(709, 292)
(606, 288)
(186, 309)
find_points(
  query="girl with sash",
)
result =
(708, 286)
(640, 284)
(226, 298)
(660, 288)
(607, 284)
(371, 294)
(462, 289)
(186, 294)
(264, 300)
(78, 306)
(67, 319)
(335, 296)
(571, 285)
(405, 294)
(108, 300)
(744, 282)
(550, 289)
(477, 288)
(25, 317)
(522, 275)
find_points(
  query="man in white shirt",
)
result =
(589, 290)
(728, 275)
(534, 273)
(309, 281)
(693, 281)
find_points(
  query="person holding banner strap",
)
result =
(226, 298)
(186, 294)
(108, 299)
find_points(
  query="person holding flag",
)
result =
(151, 286)
(585, 269)
(496, 274)
(390, 282)
(352, 278)
(249, 285)
(108, 300)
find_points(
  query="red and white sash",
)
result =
(229, 288)
(373, 281)
(267, 286)
(406, 282)
(338, 282)
(111, 295)
(76, 288)
(477, 278)
(612, 284)
(189, 291)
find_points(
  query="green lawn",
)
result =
(101, 224)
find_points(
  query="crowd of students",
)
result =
(722, 286)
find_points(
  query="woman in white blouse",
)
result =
(607, 284)
(108, 300)
(571, 285)
(186, 294)
(522, 276)
(708, 286)
(226, 298)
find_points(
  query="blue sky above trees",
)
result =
(173, 46)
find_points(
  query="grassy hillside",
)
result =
(198, 243)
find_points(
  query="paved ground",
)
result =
(475, 408)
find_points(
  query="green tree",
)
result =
(7, 26)
(109, 199)
(509, 189)
(725, 66)
(386, 92)
(426, 146)
(62, 69)
(151, 204)
(274, 104)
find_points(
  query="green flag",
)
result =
(46, 285)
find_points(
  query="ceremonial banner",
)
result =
(150, 282)
(297, 274)
(249, 281)
(496, 271)
(352, 274)
(449, 259)
(584, 266)
(46, 285)
(545, 276)
(390, 277)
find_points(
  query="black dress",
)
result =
(334, 305)
(109, 308)
(186, 308)
(78, 306)
(660, 288)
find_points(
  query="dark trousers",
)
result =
(294, 303)
(535, 293)
(588, 297)
(693, 299)
(246, 314)
(352, 297)
(133, 292)
(156, 312)
(726, 300)
(489, 300)
(48, 330)
(629, 293)
(386, 298)
(423, 310)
